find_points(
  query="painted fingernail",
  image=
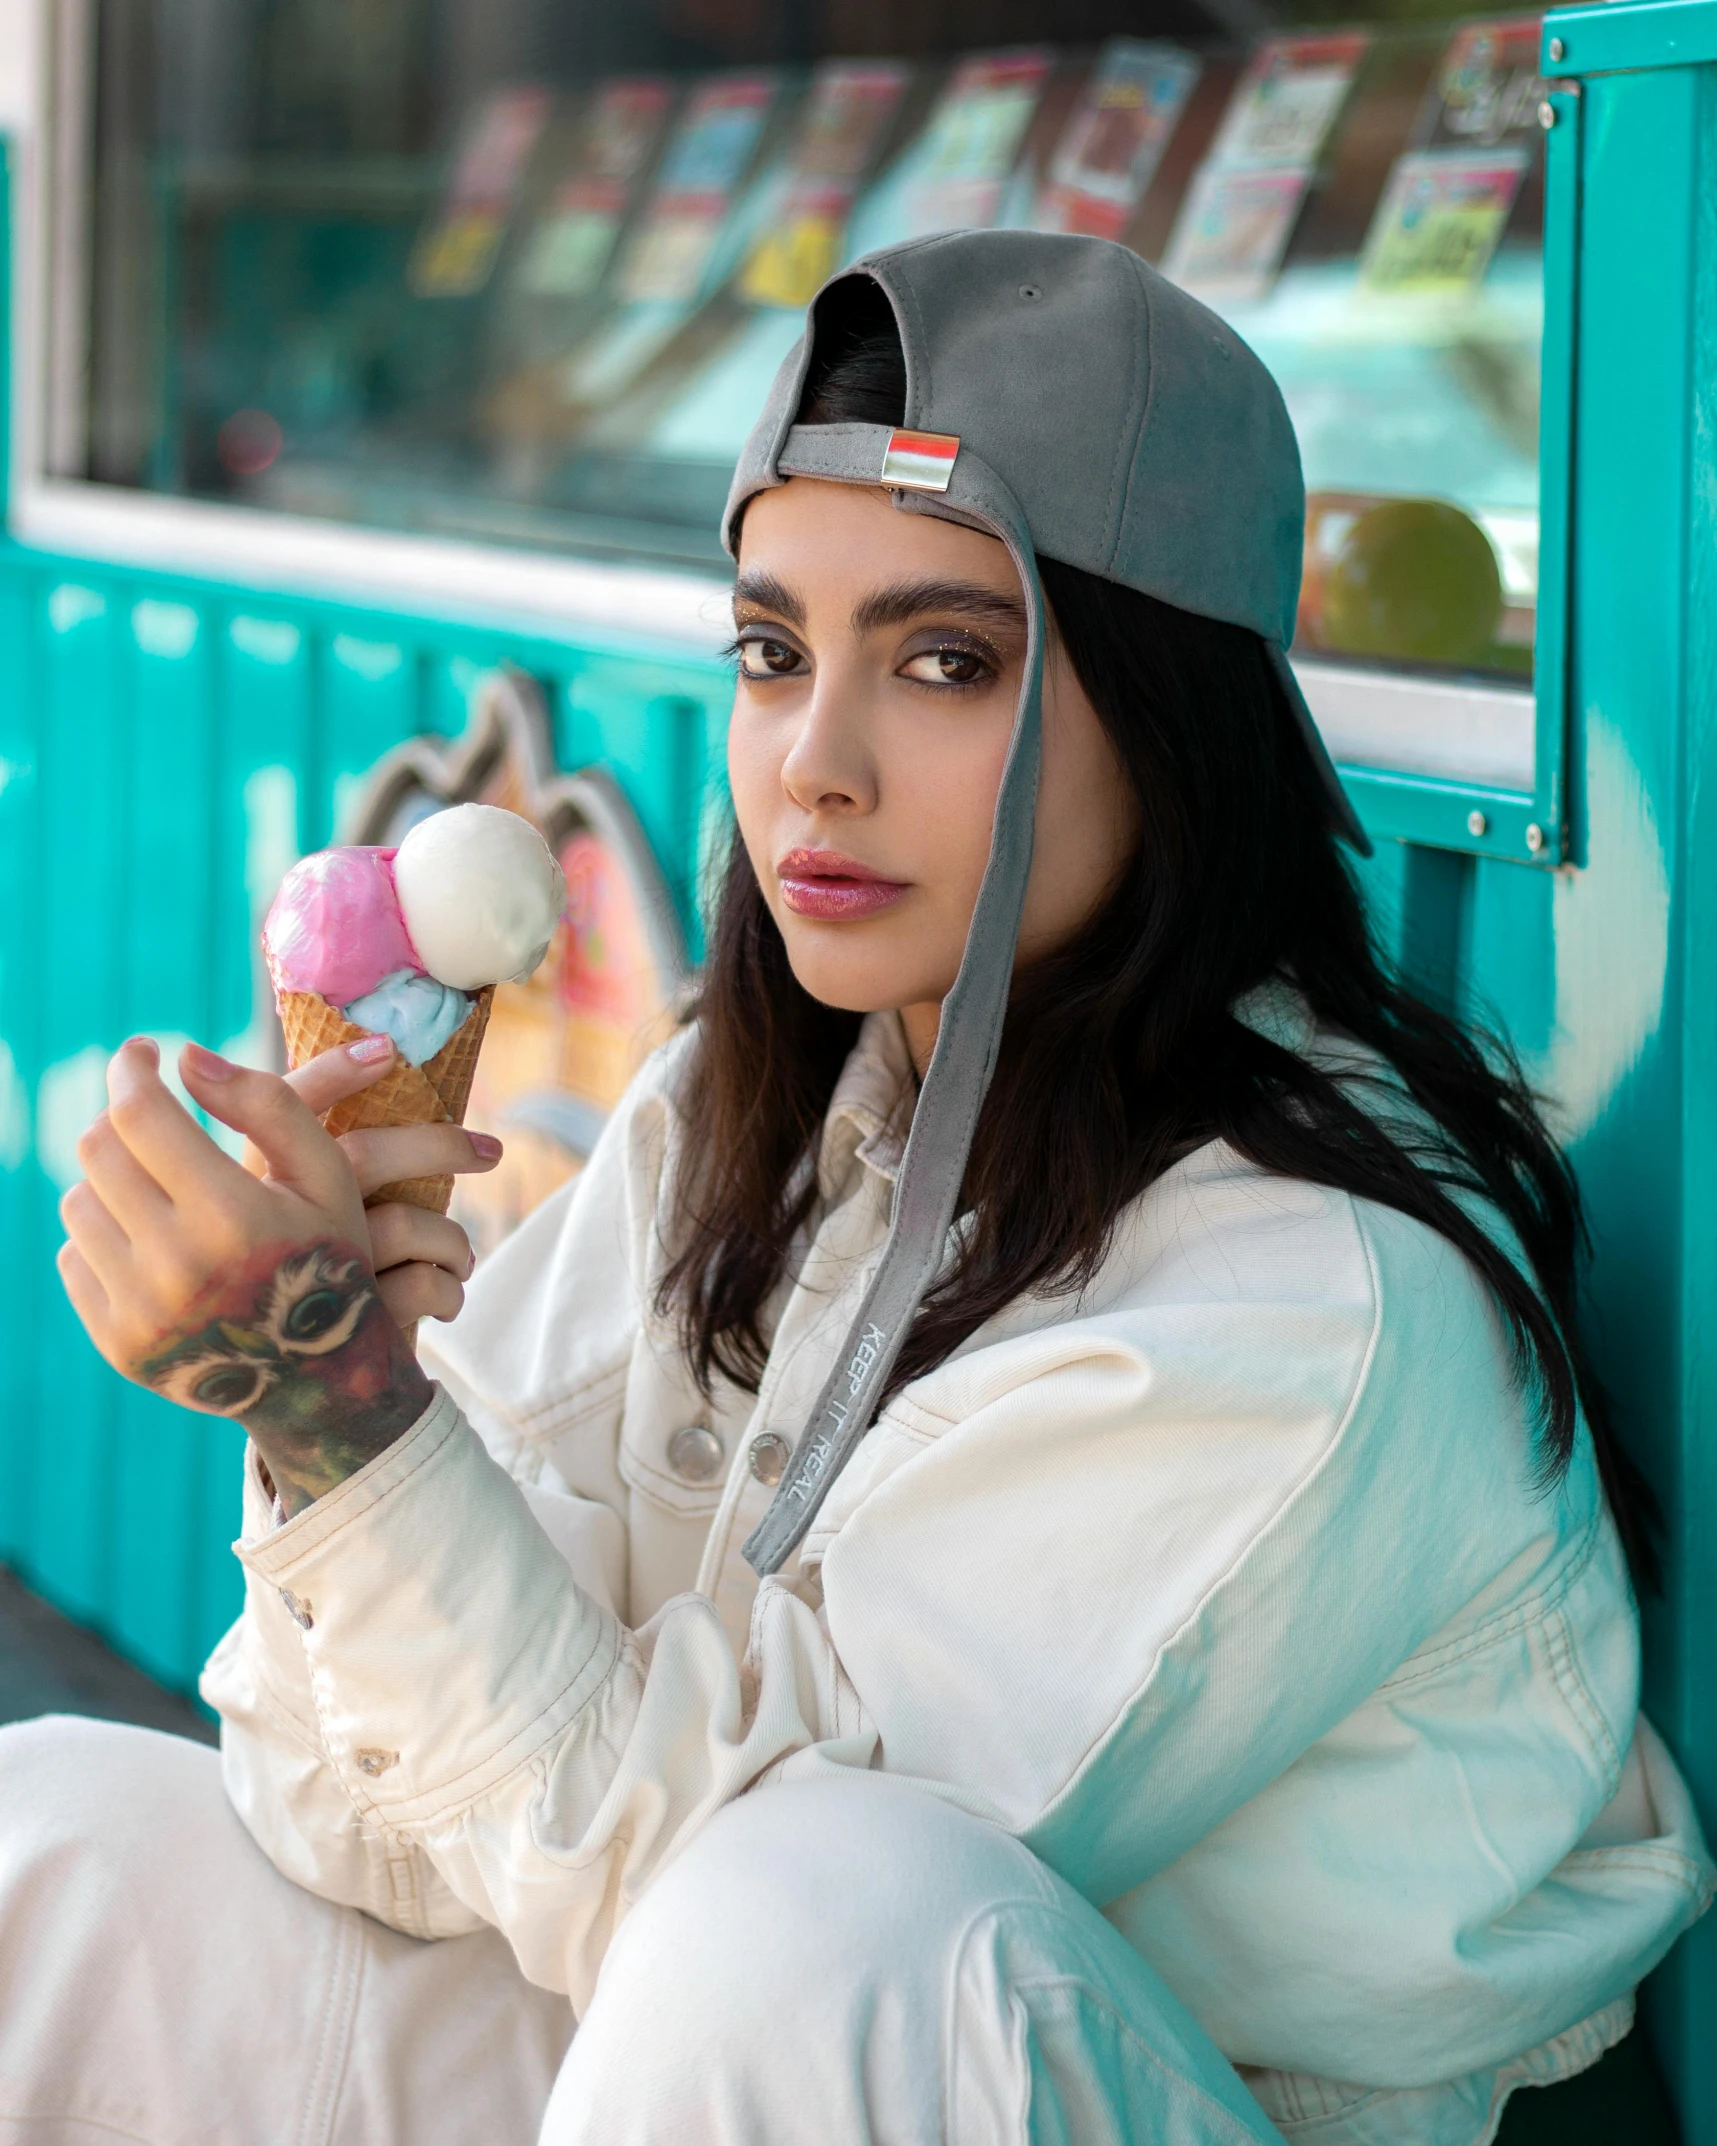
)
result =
(370, 1050)
(209, 1064)
(485, 1147)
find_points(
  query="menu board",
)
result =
(1449, 198)
(574, 240)
(1109, 153)
(851, 105)
(973, 140)
(1439, 221)
(1488, 88)
(707, 158)
(1232, 232)
(1234, 226)
(455, 255)
(1288, 99)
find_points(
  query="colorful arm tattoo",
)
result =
(299, 1348)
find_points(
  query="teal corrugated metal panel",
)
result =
(192, 739)
(1631, 458)
(265, 814)
(1474, 935)
(84, 888)
(1509, 975)
(19, 1275)
(370, 692)
(168, 938)
(1436, 918)
(1632, 1053)
(1380, 883)
(447, 679)
(651, 725)
(263, 757)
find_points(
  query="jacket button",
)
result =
(298, 1611)
(373, 1762)
(769, 1457)
(696, 1453)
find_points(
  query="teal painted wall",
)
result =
(1636, 927)
(166, 748)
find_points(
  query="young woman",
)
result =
(1192, 1693)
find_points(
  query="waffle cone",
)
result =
(434, 1093)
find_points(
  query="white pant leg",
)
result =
(161, 1983)
(856, 1963)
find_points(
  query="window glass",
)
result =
(522, 269)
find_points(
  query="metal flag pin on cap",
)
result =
(919, 461)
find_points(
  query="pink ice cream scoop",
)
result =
(335, 927)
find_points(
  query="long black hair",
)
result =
(1122, 1051)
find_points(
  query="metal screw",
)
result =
(1547, 115)
(1476, 824)
(1558, 50)
(1535, 838)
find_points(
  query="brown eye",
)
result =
(763, 658)
(948, 667)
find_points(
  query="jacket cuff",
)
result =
(260, 1662)
(445, 1639)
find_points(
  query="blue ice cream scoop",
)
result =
(417, 1012)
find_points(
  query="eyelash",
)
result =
(735, 654)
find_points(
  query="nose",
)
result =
(829, 766)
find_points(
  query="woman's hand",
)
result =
(243, 1296)
(421, 1261)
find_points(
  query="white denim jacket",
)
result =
(1225, 1586)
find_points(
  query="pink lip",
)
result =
(823, 883)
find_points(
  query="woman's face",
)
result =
(880, 656)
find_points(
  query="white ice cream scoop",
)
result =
(480, 894)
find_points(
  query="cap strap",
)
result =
(927, 1191)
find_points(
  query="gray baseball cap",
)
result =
(1064, 397)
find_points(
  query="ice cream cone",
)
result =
(433, 1093)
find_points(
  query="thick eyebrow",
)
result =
(764, 593)
(903, 601)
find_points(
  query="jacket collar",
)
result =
(870, 1112)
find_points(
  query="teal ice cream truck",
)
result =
(374, 377)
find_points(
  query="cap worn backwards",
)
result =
(1064, 397)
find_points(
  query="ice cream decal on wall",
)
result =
(410, 943)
